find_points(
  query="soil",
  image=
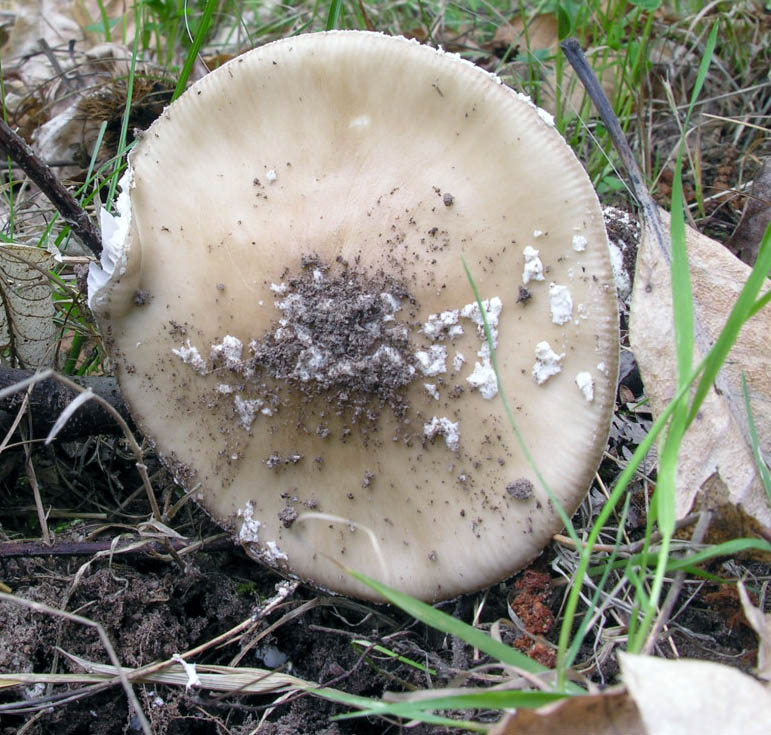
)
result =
(153, 607)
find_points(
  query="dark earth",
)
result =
(153, 606)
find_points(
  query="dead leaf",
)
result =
(682, 697)
(39, 61)
(729, 521)
(72, 130)
(745, 242)
(718, 443)
(34, 20)
(540, 32)
(660, 697)
(609, 713)
(27, 329)
(761, 624)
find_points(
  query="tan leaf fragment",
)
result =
(718, 444)
(541, 33)
(661, 697)
(761, 624)
(27, 329)
(609, 713)
(683, 696)
(729, 520)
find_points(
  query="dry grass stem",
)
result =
(120, 674)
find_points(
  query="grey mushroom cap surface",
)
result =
(289, 317)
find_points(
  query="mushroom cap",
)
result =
(290, 225)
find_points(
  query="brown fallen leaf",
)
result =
(33, 20)
(718, 444)
(660, 697)
(539, 32)
(37, 32)
(609, 713)
(745, 242)
(73, 129)
(729, 520)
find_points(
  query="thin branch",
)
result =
(573, 53)
(48, 398)
(39, 171)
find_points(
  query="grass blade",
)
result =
(448, 624)
(198, 41)
(765, 477)
(335, 11)
(483, 699)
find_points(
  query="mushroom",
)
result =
(284, 300)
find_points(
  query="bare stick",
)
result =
(133, 547)
(573, 53)
(39, 171)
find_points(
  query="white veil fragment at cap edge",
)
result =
(114, 232)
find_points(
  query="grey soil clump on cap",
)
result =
(339, 337)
